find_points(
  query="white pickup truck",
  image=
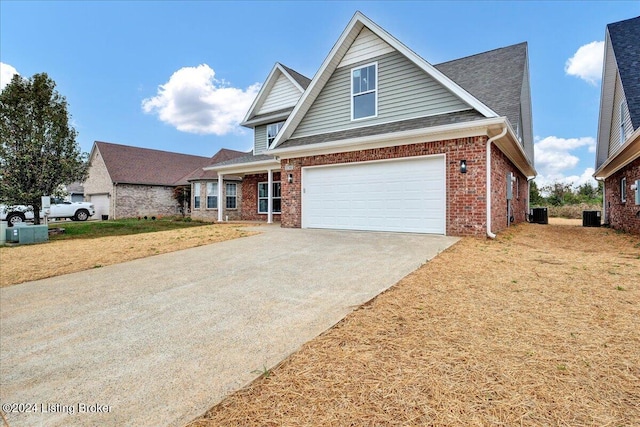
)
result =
(77, 211)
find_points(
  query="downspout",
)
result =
(115, 198)
(489, 142)
(529, 197)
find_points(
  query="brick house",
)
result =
(618, 147)
(204, 190)
(382, 140)
(125, 181)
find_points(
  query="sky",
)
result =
(180, 75)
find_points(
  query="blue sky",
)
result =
(179, 76)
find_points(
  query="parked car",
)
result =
(77, 211)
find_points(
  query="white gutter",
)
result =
(489, 142)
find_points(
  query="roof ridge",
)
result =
(482, 53)
(150, 149)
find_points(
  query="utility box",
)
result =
(591, 218)
(3, 232)
(22, 234)
(539, 216)
(510, 186)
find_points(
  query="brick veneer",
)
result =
(144, 200)
(466, 193)
(500, 167)
(623, 216)
(210, 215)
(250, 197)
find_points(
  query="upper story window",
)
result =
(364, 93)
(272, 132)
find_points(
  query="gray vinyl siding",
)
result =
(614, 138)
(259, 139)
(404, 91)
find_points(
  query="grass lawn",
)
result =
(121, 227)
(86, 245)
(539, 327)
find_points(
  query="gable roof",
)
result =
(135, 165)
(625, 40)
(621, 60)
(331, 62)
(298, 81)
(223, 155)
(494, 77)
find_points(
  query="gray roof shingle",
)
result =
(495, 78)
(625, 40)
(418, 123)
(302, 80)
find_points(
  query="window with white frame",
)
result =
(364, 93)
(263, 197)
(272, 132)
(196, 195)
(623, 189)
(231, 195)
(212, 195)
(622, 122)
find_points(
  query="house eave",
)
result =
(245, 168)
(265, 120)
(627, 153)
(510, 147)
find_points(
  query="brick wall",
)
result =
(501, 166)
(623, 216)
(466, 193)
(139, 200)
(250, 197)
(205, 214)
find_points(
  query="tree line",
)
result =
(562, 194)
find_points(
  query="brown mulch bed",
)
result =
(538, 327)
(32, 262)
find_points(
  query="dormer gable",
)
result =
(273, 104)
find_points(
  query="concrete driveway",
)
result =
(158, 341)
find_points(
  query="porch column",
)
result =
(269, 196)
(220, 184)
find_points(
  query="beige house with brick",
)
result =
(125, 181)
(382, 140)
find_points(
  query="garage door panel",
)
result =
(400, 195)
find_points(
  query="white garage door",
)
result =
(405, 195)
(101, 203)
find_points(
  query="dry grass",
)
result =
(31, 262)
(539, 327)
(572, 211)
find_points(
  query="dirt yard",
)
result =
(538, 327)
(31, 262)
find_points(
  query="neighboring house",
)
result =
(380, 139)
(75, 192)
(618, 148)
(204, 190)
(125, 181)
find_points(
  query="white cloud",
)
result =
(194, 101)
(586, 63)
(6, 74)
(553, 160)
